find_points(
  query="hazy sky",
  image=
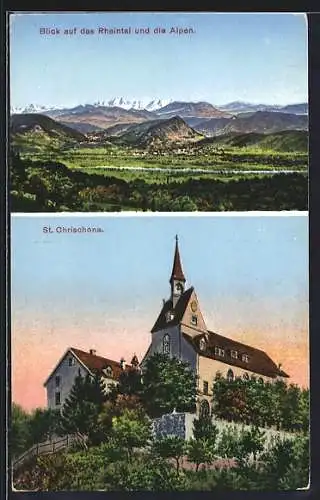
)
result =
(251, 57)
(105, 290)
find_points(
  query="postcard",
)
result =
(158, 112)
(160, 352)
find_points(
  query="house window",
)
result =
(230, 375)
(57, 398)
(109, 371)
(205, 387)
(234, 354)
(202, 344)
(245, 358)
(194, 320)
(71, 361)
(219, 351)
(58, 381)
(246, 376)
(166, 344)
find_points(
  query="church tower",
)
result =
(177, 279)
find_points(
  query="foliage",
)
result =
(200, 451)
(81, 409)
(261, 403)
(19, 430)
(130, 383)
(49, 185)
(204, 428)
(131, 430)
(168, 384)
(170, 447)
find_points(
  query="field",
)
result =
(207, 175)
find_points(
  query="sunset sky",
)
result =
(105, 290)
(256, 57)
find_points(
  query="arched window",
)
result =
(204, 408)
(230, 375)
(246, 376)
(166, 344)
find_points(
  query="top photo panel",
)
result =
(158, 112)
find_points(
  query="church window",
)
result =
(234, 354)
(71, 361)
(166, 344)
(202, 344)
(170, 316)
(58, 381)
(194, 320)
(246, 376)
(58, 398)
(245, 358)
(230, 375)
(219, 351)
(205, 387)
(204, 409)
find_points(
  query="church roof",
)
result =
(177, 272)
(258, 361)
(178, 311)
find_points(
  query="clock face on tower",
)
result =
(194, 306)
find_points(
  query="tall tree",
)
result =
(80, 412)
(168, 384)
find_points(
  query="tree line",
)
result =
(51, 186)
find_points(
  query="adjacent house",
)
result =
(74, 362)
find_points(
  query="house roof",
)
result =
(259, 362)
(177, 272)
(92, 362)
(178, 311)
(96, 363)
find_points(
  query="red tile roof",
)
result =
(96, 363)
(258, 361)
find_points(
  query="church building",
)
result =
(181, 331)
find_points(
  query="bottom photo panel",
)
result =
(159, 353)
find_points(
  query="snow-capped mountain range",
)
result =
(162, 106)
(121, 102)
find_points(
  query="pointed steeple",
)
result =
(177, 273)
(177, 279)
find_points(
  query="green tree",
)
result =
(130, 430)
(168, 384)
(43, 424)
(201, 451)
(203, 428)
(20, 438)
(80, 412)
(170, 447)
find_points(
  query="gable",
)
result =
(192, 321)
(162, 321)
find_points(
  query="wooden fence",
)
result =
(44, 448)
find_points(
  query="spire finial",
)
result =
(177, 238)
